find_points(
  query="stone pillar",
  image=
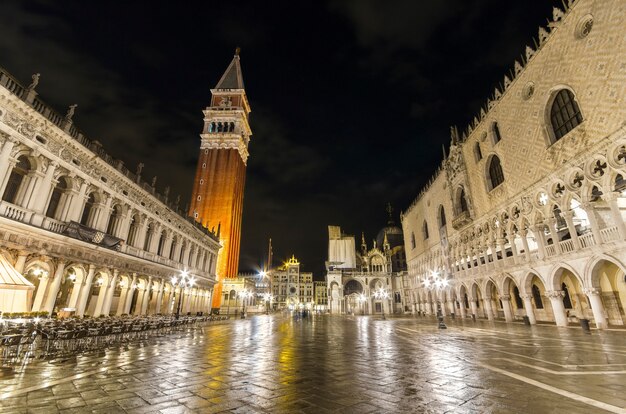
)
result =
(108, 300)
(569, 219)
(85, 291)
(541, 241)
(473, 308)
(501, 243)
(616, 214)
(130, 294)
(5, 164)
(121, 304)
(21, 261)
(38, 303)
(593, 221)
(462, 308)
(488, 308)
(77, 203)
(597, 307)
(104, 214)
(523, 233)
(528, 307)
(101, 298)
(146, 297)
(506, 307)
(554, 235)
(142, 230)
(54, 287)
(42, 190)
(159, 298)
(76, 290)
(556, 299)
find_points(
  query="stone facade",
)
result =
(525, 216)
(87, 233)
(291, 288)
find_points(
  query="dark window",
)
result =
(518, 298)
(463, 201)
(537, 297)
(567, 301)
(15, 179)
(58, 191)
(87, 210)
(173, 248)
(148, 239)
(496, 176)
(496, 133)
(477, 152)
(413, 240)
(565, 114)
(425, 230)
(442, 217)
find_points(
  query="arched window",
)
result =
(564, 114)
(20, 170)
(620, 184)
(413, 240)
(425, 230)
(462, 201)
(148, 239)
(442, 217)
(518, 299)
(132, 230)
(173, 248)
(55, 198)
(496, 133)
(182, 252)
(116, 213)
(537, 297)
(496, 176)
(161, 243)
(478, 155)
(84, 218)
(232, 127)
(560, 220)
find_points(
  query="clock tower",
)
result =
(217, 197)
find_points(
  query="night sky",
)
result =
(351, 100)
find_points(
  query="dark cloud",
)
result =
(351, 100)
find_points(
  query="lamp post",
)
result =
(362, 300)
(382, 295)
(435, 283)
(182, 283)
(244, 294)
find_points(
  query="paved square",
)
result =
(324, 364)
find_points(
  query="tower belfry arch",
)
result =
(217, 196)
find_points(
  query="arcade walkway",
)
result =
(323, 364)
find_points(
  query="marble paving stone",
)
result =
(334, 364)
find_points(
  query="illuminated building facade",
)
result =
(79, 231)
(292, 288)
(217, 197)
(525, 216)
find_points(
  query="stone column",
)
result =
(85, 290)
(108, 300)
(501, 243)
(473, 309)
(462, 308)
(506, 307)
(121, 304)
(597, 307)
(54, 287)
(42, 190)
(5, 164)
(528, 307)
(541, 241)
(488, 308)
(102, 292)
(38, 303)
(21, 261)
(77, 203)
(556, 299)
(616, 214)
(554, 235)
(593, 221)
(523, 233)
(569, 219)
(159, 298)
(146, 297)
(78, 284)
(130, 294)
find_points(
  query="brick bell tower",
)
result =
(217, 198)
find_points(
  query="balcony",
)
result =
(461, 219)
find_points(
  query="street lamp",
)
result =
(362, 300)
(244, 294)
(268, 302)
(382, 295)
(182, 283)
(435, 283)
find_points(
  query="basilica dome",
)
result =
(394, 236)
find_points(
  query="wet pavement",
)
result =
(338, 364)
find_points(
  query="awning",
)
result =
(11, 278)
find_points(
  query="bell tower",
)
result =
(217, 197)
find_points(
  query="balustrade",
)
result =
(609, 234)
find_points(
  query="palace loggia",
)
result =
(525, 215)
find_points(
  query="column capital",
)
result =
(555, 294)
(526, 297)
(505, 298)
